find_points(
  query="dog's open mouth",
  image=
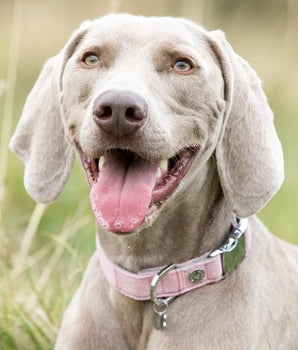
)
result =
(124, 186)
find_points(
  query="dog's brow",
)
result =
(166, 53)
(104, 50)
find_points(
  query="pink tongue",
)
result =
(121, 197)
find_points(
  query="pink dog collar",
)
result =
(175, 280)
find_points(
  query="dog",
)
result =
(180, 151)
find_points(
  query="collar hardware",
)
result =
(160, 305)
(232, 253)
(196, 276)
(163, 284)
(234, 250)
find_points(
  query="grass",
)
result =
(44, 249)
(38, 280)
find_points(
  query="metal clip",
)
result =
(160, 306)
(233, 251)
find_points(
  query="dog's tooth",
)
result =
(158, 173)
(101, 161)
(163, 166)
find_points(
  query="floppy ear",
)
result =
(249, 154)
(40, 139)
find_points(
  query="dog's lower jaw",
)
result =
(161, 242)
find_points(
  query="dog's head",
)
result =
(146, 102)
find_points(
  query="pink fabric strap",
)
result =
(185, 277)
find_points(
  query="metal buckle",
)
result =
(233, 251)
(160, 306)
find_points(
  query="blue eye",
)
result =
(182, 66)
(91, 60)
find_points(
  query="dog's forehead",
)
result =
(122, 30)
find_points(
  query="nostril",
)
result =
(106, 112)
(103, 112)
(130, 114)
(135, 114)
(103, 116)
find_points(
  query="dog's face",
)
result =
(146, 102)
(141, 107)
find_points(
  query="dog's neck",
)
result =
(186, 228)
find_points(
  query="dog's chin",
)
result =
(127, 191)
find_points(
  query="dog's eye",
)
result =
(91, 60)
(182, 66)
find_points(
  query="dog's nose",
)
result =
(119, 113)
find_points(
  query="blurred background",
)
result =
(44, 250)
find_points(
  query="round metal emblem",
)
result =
(196, 276)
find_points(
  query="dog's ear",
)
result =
(249, 154)
(40, 139)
